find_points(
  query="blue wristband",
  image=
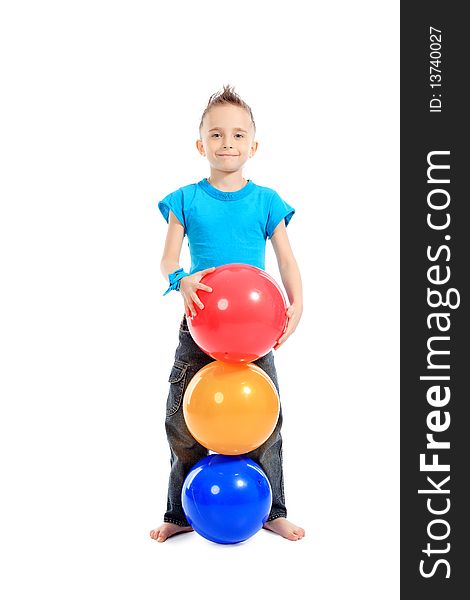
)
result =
(175, 279)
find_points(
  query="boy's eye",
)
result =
(214, 134)
(240, 134)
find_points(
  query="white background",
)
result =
(101, 104)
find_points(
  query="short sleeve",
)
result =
(173, 202)
(278, 210)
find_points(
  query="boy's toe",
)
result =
(156, 534)
(297, 534)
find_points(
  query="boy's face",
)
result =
(227, 138)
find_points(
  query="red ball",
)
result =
(243, 317)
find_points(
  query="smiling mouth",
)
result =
(227, 155)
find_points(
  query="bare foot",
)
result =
(285, 528)
(166, 530)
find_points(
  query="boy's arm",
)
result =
(190, 284)
(291, 279)
(173, 243)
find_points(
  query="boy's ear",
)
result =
(200, 147)
(254, 148)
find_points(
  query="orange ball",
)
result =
(231, 409)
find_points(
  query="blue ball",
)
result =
(226, 499)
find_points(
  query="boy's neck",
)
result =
(227, 182)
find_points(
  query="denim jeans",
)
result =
(186, 451)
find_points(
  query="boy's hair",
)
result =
(226, 96)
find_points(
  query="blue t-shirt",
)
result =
(226, 227)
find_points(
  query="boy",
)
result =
(227, 220)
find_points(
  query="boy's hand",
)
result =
(293, 314)
(188, 288)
